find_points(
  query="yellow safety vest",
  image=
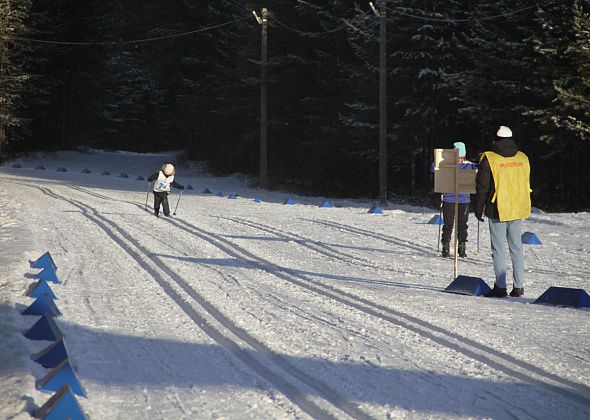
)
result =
(512, 182)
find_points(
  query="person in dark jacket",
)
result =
(448, 209)
(164, 179)
(503, 195)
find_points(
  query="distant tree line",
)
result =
(185, 74)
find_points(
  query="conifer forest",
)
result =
(153, 75)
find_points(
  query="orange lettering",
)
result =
(511, 165)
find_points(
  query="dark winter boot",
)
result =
(445, 250)
(496, 292)
(462, 252)
(156, 213)
(517, 292)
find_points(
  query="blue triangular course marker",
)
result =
(105, 173)
(465, 285)
(44, 261)
(52, 355)
(189, 187)
(123, 175)
(37, 289)
(85, 171)
(565, 296)
(207, 191)
(43, 305)
(219, 194)
(61, 170)
(40, 167)
(375, 209)
(62, 405)
(289, 201)
(257, 200)
(232, 196)
(529, 238)
(436, 220)
(44, 329)
(326, 204)
(48, 273)
(139, 178)
(60, 375)
(16, 166)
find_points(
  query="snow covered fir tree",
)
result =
(186, 74)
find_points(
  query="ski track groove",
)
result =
(308, 243)
(226, 277)
(299, 311)
(350, 259)
(325, 250)
(297, 396)
(447, 338)
(230, 278)
(389, 239)
(120, 352)
(493, 358)
(384, 238)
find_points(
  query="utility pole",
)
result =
(263, 21)
(382, 102)
(2, 91)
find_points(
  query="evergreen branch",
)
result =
(137, 41)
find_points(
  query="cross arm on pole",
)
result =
(257, 18)
(373, 8)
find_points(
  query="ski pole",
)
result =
(147, 196)
(478, 223)
(439, 225)
(179, 197)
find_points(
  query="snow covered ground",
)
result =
(236, 309)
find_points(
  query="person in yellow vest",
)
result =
(503, 194)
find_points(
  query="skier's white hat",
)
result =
(168, 169)
(504, 132)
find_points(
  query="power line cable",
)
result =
(505, 14)
(209, 28)
(450, 20)
(137, 41)
(303, 32)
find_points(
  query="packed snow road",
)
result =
(236, 309)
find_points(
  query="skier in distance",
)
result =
(164, 179)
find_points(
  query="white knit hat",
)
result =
(168, 169)
(504, 132)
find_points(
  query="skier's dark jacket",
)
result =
(174, 184)
(485, 187)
